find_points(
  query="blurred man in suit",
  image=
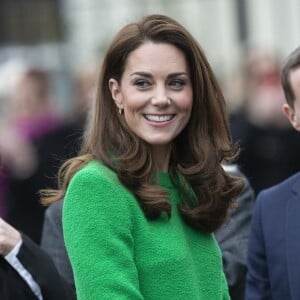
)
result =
(274, 244)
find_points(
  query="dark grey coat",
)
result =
(233, 239)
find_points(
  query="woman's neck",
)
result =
(161, 157)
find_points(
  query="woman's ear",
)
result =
(115, 92)
(291, 115)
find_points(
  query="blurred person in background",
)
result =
(37, 140)
(31, 116)
(274, 243)
(269, 147)
(65, 141)
(10, 73)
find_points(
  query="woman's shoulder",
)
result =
(97, 181)
(99, 188)
(96, 171)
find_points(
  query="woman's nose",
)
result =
(160, 98)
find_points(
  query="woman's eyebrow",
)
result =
(148, 75)
(144, 74)
(178, 74)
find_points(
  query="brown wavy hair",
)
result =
(197, 152)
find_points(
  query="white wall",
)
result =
(274, 24)
(92, 23)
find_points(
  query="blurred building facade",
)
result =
(60, 34)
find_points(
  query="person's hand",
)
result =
(9, 237)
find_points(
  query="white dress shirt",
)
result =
(13, 260)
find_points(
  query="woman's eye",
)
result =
(177, 83)
(142, 84)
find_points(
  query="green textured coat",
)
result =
(116, 253)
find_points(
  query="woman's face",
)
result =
(155, 93)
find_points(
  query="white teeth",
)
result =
(159, 118)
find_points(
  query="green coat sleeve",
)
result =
(97, 227)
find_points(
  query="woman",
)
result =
(142, 200)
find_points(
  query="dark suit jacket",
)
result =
(40, 266)
(12, 286)
(274, 245)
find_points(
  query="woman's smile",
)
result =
(159, 118)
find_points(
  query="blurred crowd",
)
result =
(269, 146)
(35, 138)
